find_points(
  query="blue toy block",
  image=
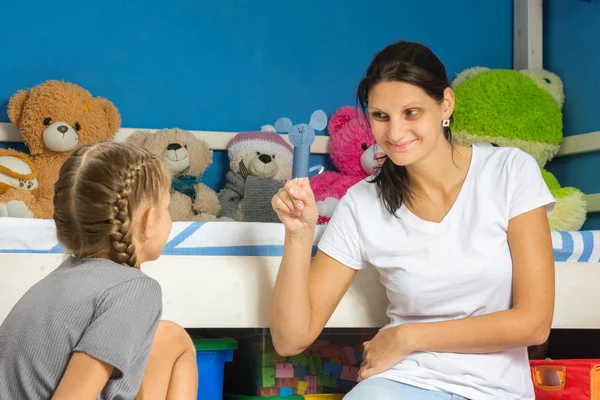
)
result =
(332, 369)
(300, 372)
(285, 392)
(345, 386)
(359, 357)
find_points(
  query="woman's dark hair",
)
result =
(402, 62)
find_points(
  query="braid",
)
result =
(121, 238)
(100, 187)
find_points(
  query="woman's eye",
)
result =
(378, 115)
(412, 112)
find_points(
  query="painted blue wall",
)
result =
(571, 32)
(234, 65)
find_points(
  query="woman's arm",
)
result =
(84, 378)
(527, 323)
(305, 295)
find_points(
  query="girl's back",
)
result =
(92, 328)
(79, 307)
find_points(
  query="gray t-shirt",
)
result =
(95, 306)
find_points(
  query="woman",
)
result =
(459, 235)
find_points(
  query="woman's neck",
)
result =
(441, 171)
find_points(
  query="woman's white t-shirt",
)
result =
(457, 268)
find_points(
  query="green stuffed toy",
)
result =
(520, 109)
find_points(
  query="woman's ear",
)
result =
(448, 103)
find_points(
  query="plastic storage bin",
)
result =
(329, 366)
(211, 356)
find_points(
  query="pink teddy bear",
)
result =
(354, 154)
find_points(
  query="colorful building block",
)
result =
(268, 391)
(348, 356)
(285, 391)
(349, 373)
(325, 352)
(299, 359)
(264, 359)
(359, 357)
(302, 386)
(267, 377)
(332, 369)
(300, 372)
(335, 351)
(345, 386)
(276, 358)
(315, 367)
(319, 343)
(311, 380)
(329, 381)
(311, 390)
(284, 371)
(287, 382)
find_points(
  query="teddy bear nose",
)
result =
(265, 158)
(62, 129)
(173, 146)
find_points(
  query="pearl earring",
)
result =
(446, 122)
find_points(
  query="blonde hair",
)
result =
(99, 188)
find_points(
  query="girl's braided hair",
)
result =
(99, 188)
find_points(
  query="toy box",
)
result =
(329, 366)
(211, 356)
(566, 379)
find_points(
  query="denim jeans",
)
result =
(386, 389)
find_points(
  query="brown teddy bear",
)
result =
(186, 157)
(54, 118)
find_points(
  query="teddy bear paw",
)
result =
(15, 209)
(326, 207)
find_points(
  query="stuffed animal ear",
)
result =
(318, 120)
(341, 117)
(112, 114)
(16, 104)
(548, 81)
(283, 125)
(467, 74)
(138, 138)
(268, 128)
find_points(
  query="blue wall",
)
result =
(234, 65)
(571, 32)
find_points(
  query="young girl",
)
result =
(91, 328)
(459, 235)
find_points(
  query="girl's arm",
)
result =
(84, 378)
(527, 323)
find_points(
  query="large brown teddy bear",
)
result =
(54, 118)
(186, 157)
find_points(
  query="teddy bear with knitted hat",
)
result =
(260, 162)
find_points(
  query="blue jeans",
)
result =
(386, 389)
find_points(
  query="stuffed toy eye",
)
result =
(77, 127)
(47, 121)
(364, 146)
